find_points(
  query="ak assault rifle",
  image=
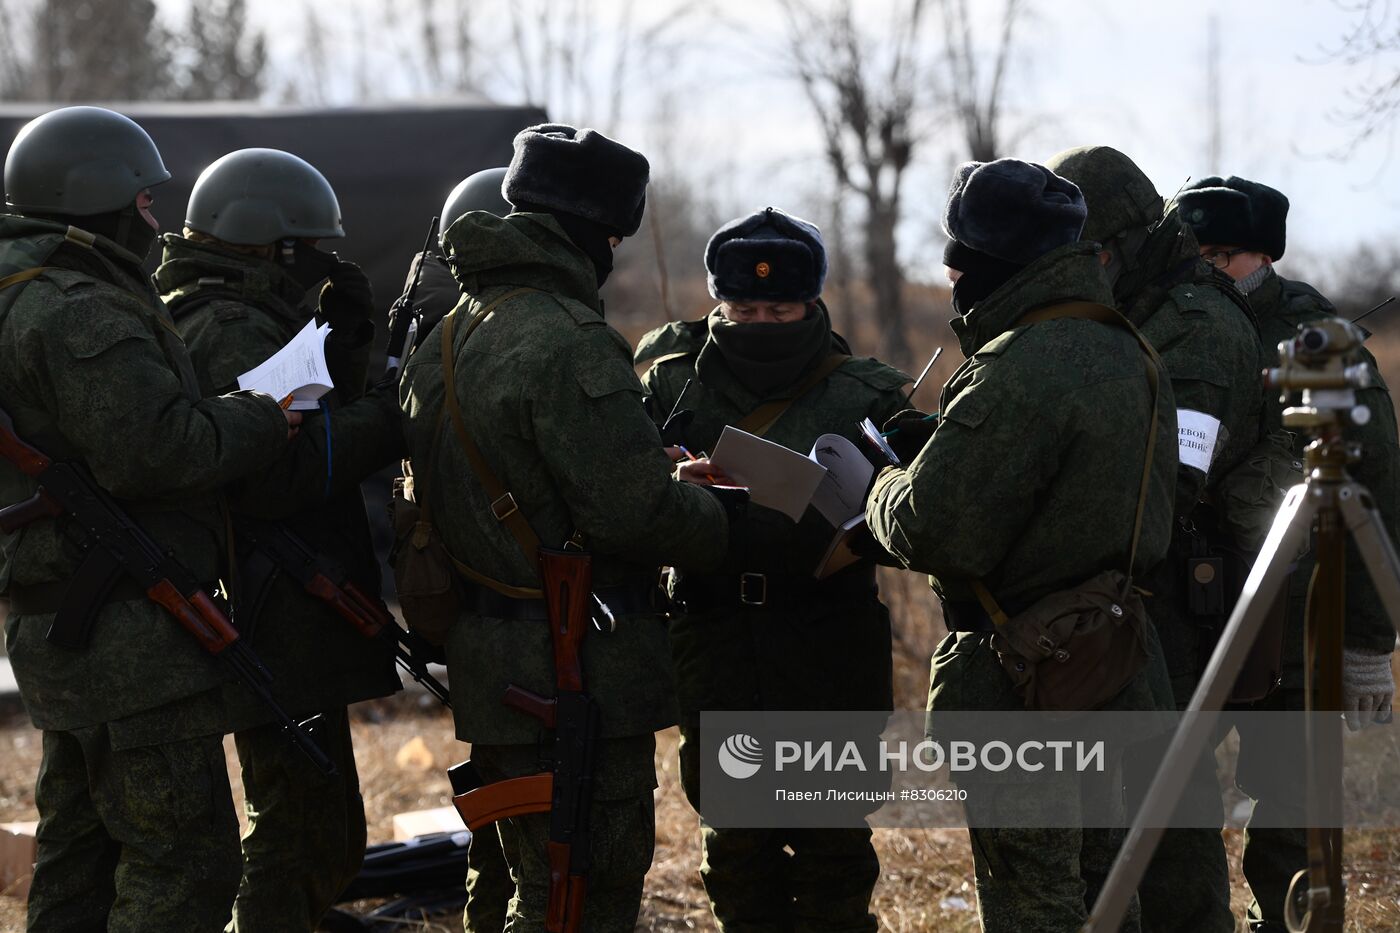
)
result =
(116, 546)
(566, 791)
(403, 314)
(328, 581)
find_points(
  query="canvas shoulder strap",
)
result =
(762, 418)
(503, 505)
(1093, 311)
(474, 456)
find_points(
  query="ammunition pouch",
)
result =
(429, 588)
(1075, 649)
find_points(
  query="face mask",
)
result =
(305, 263)
(767, 357)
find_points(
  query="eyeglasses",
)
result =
(1220, 258)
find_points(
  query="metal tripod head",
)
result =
(1323, 362)
(1323, 365)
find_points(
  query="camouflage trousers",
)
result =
(791, 880)
(622, 825)
(1040, 879)
(489, 888)
(1273, 854)
(133, 839)
(1187, 885)
(306, 832)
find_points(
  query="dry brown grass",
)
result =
(926, 875)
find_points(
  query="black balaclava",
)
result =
(126, 228)
(982, 274)
(767, 357)
(308, 266)
(588, 235)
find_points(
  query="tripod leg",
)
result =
(1265, 582)
(1377, 551)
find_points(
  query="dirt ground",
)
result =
(404, 745)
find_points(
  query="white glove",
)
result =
(1368, 686)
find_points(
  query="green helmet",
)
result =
(1120, 197)
(80, 161)
(257, 196)
(477, 192)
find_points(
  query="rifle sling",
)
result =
(503, 505)
(762, 418)
(1093, 311)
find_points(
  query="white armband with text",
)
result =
(1197, 434)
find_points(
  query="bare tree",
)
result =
(866, 92)
(227, 59)
(553, 51)
(87, 50)
(1373, 38)
(976, 97)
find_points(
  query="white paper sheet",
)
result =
(841, 494)
(777, 478)
(298, 369)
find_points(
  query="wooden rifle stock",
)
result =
(568, 589)
(567, 577)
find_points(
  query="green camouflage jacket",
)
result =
(1201, 327)
(547, 390)
(92, 369)
(1281, 306)
(234, 312)
(1030, 482)
(830, 653)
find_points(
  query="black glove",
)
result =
(347, 300)
(908, 432)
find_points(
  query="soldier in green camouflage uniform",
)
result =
(548, 391)
(137, 829)
(1241, 226)
(763, 633)
(236, 300)
(488, 877)
(1205, 334)
(1029, 484)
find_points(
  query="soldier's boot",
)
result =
(747, 879)
(306, 832)
(831, 875)
(489, 885)
(170, 861)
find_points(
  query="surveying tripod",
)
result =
(1323, 363)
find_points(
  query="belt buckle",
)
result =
(761, 580)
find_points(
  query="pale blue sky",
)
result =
(1131, 75)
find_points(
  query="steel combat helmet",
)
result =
(258, 196)
(80, 161)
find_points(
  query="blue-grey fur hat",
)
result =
(766, 256)
(579, 172)
(1013, 210)
(1235, 211)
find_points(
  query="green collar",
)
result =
(486, 251)
(189, 269)
(1069, 273)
